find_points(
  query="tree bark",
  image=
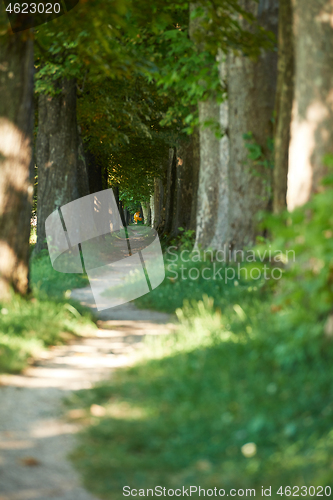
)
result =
(152, 209)
(82, 169)
(60, 171)
(170, 191)
(145, 211)
(195, 178)
(251, 93)
(181, 186)
(186, 183)
(312, 122)
(283, 105)
(212, 201)
(16, 190)
(159, 205)
(119, 205)
(95, 173)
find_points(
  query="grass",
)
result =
(48, 283)
(49, 317)
(179, 287)
(236, 399)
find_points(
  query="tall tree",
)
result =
(175, 191)
(312, 122)
(232, 187)
(62, 175)
(283, 105)
(212, 193)
(251, 96)
(160, 199)
(188, 164)
(16, 127)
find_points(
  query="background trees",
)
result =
(184, 107)
(174, 105)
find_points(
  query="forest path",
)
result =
(36, 433)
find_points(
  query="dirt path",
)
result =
(35, 433)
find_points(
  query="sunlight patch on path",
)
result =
(35, 435)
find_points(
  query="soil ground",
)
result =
(36, 431)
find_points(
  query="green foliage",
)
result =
(140, 76)
(60, 61)
(261, 160)
(185, 240)
(133, 201)
(191, 74)
(256, 154)
(120, 126)
(306, 297)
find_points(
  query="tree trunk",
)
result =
(170, 191)
(94, 170)
(251, 93)
(149, 216)
(212, 201)
(152, 210)
(186, 184)
(82, 169)
(16, 190)
(175, 194)
(210, 209)
(195, 178)
(283, 105)
(159, 205)
(119, 205)
(312, 122)
(60, 171)
(145, 212)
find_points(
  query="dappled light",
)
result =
(166, 249)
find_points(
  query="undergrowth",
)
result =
(241, 396)
(47, 317)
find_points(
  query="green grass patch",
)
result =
(188, 281)
(48, 283)
(213, 407)
(242, 396)
(27, 325)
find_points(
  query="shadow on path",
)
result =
(35, 435)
